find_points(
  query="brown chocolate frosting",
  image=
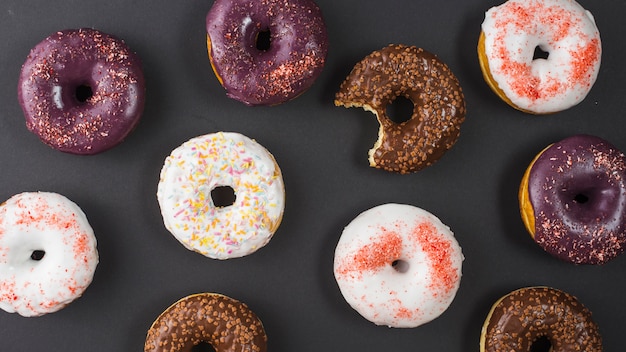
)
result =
(227, 324)
(525, 315)
(439, 105)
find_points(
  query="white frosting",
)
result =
(560, 27)
(48, 222)
(200, 165)
(416, 290)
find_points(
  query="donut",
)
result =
(48, 253)
(221, 195)
(540, 56)
(82, 91)
(522, 318)
(266, 52)
(438, 105)
(224, 323)
(398, 265)
(572, 200)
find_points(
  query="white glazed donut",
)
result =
(398, 265)
(561, 28)
(199, 166)
(48, 253)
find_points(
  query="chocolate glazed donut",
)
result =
(522, 317)
(438, 105)
(224, 323)
(573, 200)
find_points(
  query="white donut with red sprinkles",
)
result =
(48, 253)
(398, 265)
(552, 79)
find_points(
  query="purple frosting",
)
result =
(298, 44)
(577, 188)
(82, 91)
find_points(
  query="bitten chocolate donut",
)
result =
(569, 49)
(266, 52)
(522, 317)
(439, 105)
(573, 200)
(225, 323)
(82, 91)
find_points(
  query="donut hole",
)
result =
(540, 53)
(541, 344)
(223, 196)
(589, 199)
(203, 347)
(581, 198)
(263, 40)
(401, 266)
(400, 110)
(37, 255)
(83, 93)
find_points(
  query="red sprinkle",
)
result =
(583, 61)
(376, 255)
(438, 251)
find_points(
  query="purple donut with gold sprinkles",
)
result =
(82, 91)
(266, 52)
(573, 200)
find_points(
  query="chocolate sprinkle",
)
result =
(523, 316)
(223, 322)
(439, 105)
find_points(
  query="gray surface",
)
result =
(322, 151)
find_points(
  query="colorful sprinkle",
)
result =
(221, 159)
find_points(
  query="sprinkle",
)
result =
(200, 165)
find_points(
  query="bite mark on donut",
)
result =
(421, 77)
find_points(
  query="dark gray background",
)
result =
(322, 150)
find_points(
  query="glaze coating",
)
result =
(225, 159)
(398, 265)
(521, 317)
(298, 45)
(48, 253)
(562, 29)
(225, 323)
(82, 91)
(439, 105)
(577, 190)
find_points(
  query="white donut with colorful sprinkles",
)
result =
(194, 171)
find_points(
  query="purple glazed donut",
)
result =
(573, 200)
(82, 91)
(266, 52)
